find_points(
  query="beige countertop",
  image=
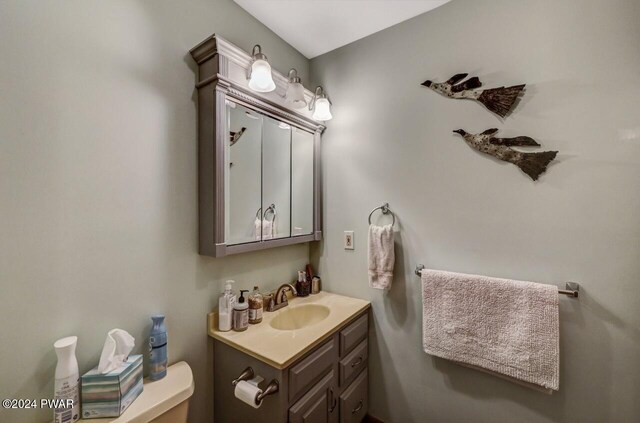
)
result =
(280, 348)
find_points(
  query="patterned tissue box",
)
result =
(108, 395)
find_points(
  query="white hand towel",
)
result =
(264, 229)
(503, 326)
(267, 229)
(258, 228)
(381, 256)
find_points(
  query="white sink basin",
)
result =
(299, 317)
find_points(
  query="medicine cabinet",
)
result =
(258, 159)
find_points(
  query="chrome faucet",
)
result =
(280, 300)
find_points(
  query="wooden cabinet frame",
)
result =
(222, 75)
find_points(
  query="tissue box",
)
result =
(108, 395)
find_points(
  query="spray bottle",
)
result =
(158, 348)
(67, 384)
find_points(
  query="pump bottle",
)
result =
(225, 307)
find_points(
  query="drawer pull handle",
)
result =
(358, 408)
(357, 362)
(333, 400)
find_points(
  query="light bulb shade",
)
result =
(322, 110)
(295, 95)
(261, 79)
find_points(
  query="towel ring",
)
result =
(272, 209)
(385, 210)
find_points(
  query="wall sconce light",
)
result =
(295, 91)
(260, 78)
(320, 105)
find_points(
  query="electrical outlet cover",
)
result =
(348, 240)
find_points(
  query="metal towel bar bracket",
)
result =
(572, 289)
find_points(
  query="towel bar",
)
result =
(572, 289)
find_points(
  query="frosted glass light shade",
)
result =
(322, 110)
(261, 80)
(295, 95)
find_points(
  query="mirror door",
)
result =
(243, 180)
(302, 146)
(269, 178)
(276, 179)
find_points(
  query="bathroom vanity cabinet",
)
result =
(327, 384)
(258, 158)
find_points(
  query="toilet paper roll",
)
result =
(247, 392)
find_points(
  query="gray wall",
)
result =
(98, 208)
(390, 140)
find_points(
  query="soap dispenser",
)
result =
(225, 308)
(241, 313)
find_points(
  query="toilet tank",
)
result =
(162, 401)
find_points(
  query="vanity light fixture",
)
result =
(260, 78)
(295, 91)
(320, 105)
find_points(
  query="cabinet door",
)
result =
(301, 182)
(319, 405)
(276, 179)
(354, 401)
(243, 177)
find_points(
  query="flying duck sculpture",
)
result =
(533, 164)
(499, 100)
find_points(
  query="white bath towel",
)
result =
(381, 256)
(503, 326)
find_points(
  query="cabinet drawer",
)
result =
(353, 362)
(310, 369)
(354, 401)
(353, 334)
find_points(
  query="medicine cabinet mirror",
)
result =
(258, 159)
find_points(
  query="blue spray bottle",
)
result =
(158, 348)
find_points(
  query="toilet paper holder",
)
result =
(271, 389)
(249, 374)
(245, 375)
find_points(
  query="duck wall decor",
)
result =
(498, 100)
(533, 164)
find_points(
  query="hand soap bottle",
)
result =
(225, 308)
(241, 313)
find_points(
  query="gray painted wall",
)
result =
(390, 140)
(98, 209)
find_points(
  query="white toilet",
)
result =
(162, 401)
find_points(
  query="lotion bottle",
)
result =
(241, 313)
(225, 308)
(67, 383)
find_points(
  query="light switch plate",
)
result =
(348, 240)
